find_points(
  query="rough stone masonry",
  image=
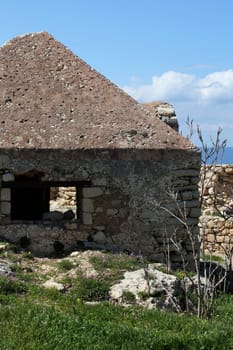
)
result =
(65, 125)
(216, 220)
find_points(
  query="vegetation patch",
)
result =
(65, 265)
(143, 295)
(212, 257)
(113, 266)
(32, 317)
(128, 297)
(91, 289)
(11, 286)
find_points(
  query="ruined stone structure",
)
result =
(65, 125)
(216, 220)
(164, 111)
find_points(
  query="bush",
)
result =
(10, 286)
(143, 295)
(91, 289)
(128, 297)
(65, 265)
(117, 261)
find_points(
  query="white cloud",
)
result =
(217, 87)
(168, 85)
(176, 86)
(207, 100)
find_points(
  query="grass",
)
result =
(128, 297)
(113, 266)
(90, 289)
(35, 318)
(117, 262)
(65, 265)
(212, 257)
(28, 326)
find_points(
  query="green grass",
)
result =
(30, 326)
(128, 297)
(90, 289)
(212, 257)
(35, 318)
(117, 261)
(10, 286)
(65, 265)
(113, 266)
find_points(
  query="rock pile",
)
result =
(151, 288)
(63, 198)
(163, 111)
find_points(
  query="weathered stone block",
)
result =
(6, 208)
(87, 205)
(187, 172)
(192, 204)
(4, 162)
(87, 219)
(148, 214)
(123, 212)
(99, 228)
(5, 194)
(112, 212)
(100, 182)
(219, 239)
(211, 191)
(211, 238)
(71, 226)
(8, 177)
(195, 180)
(5, 220)
(99, 237)
(91, 192)
(117, 203)
(229, 170)
(187, 195)
(99, 220)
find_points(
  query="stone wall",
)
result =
(216, 221)
(116, 199)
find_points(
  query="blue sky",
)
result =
(179, 51)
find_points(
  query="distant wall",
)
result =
(216, 221)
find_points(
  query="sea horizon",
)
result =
(225, 158)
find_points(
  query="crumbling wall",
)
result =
(119, 205)
(216, 221)
(164, 111)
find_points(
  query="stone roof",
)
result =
(50, 98)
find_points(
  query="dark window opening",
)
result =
(28, 200)
(35, 200)
(29, 203)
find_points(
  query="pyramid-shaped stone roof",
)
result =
(50, 98)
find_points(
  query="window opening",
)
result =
(35, 200)
(28, 200)
(64, 200)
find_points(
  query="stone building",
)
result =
(65, 125)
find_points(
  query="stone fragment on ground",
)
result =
(151, 288)
(4, 246)
(5, 269)
(51, 284)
